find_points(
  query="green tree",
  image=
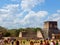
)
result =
(7, 34)
(3, 30)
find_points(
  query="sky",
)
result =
(28, 13)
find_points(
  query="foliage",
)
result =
(7, 34)
(15, 32)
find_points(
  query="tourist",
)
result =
(41, 42)
(56, 42)
(1, 42)
(59, 42)
(12, 42)
(52, 42)
(6, 41)
(44, 42)
(17, 42)
(47, 42)
(23, 42)
(31, 43)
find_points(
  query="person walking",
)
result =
(41, 42)
(12, 42)
(31, 43)
(17, 42)
(52, 42)
(59, 42)
(1, 42)
(44, 42)
(56, 42)
(47, 42)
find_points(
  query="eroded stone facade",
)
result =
(31, 34)
(50, 28)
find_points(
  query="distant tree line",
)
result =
(15, 32)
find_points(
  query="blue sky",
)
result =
(28, 13)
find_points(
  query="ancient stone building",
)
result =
(51, 29)
(31, 34)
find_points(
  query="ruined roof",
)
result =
(50, 21)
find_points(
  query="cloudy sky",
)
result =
(28, 13)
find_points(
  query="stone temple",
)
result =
(29, 34)
(50, 30)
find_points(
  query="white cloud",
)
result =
(33, 19)
(10, 17)
(58, 11)
(54, 17)
(7, 14)
(28, 4)
(0, 19)
(4, 10)
(39, 14)
(11, 7)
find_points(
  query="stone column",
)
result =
(53, 37)
(39, 34)
(20, 34)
